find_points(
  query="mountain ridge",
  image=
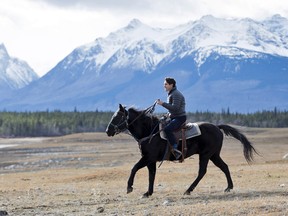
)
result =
(14, 73)
(205, 57)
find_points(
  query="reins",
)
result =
(148, 110)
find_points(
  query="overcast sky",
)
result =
(43, 32)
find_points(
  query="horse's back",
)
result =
(210, 131)
(207, 125)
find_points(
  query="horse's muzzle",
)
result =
(110, 132)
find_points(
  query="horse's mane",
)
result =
(133, 109)
(145, 115)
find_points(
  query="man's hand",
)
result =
(159, 102)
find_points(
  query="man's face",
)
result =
(168, 86)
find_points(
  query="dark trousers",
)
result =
(173, 125)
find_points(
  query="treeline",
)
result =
(268, 119)
(56, 123)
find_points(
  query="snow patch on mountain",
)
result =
(241, 33)
(231, 52)
(14, 73)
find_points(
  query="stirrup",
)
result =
(177, 153)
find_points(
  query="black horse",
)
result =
(143, 126)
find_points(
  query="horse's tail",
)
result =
(248, 149)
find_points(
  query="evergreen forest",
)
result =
(58, 123)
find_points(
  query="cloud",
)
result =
(169, 13)
(191, 8)
(121, 5)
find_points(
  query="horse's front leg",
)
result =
(152, 173)
(139, 165)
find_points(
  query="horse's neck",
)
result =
(136, 133)
(139, 131)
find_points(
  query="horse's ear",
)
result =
(121, 107)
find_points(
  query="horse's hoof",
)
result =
(129, 190)
(227, 190)
(187, 193)
(146, 195)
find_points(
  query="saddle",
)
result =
(186, 131)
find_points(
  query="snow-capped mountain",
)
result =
(218, 63)
(14, 73)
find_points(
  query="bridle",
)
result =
(124, 119)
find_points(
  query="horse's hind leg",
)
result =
(217, 160)
(203, 162)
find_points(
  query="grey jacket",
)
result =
(175, 103)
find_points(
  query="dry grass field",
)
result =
(86, 174)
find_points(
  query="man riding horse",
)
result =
(176, 111)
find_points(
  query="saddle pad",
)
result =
(191, 130)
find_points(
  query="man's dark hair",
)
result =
(170, 81)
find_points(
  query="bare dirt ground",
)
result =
(86, 174)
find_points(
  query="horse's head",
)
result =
(118, 122)
(139, 123)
